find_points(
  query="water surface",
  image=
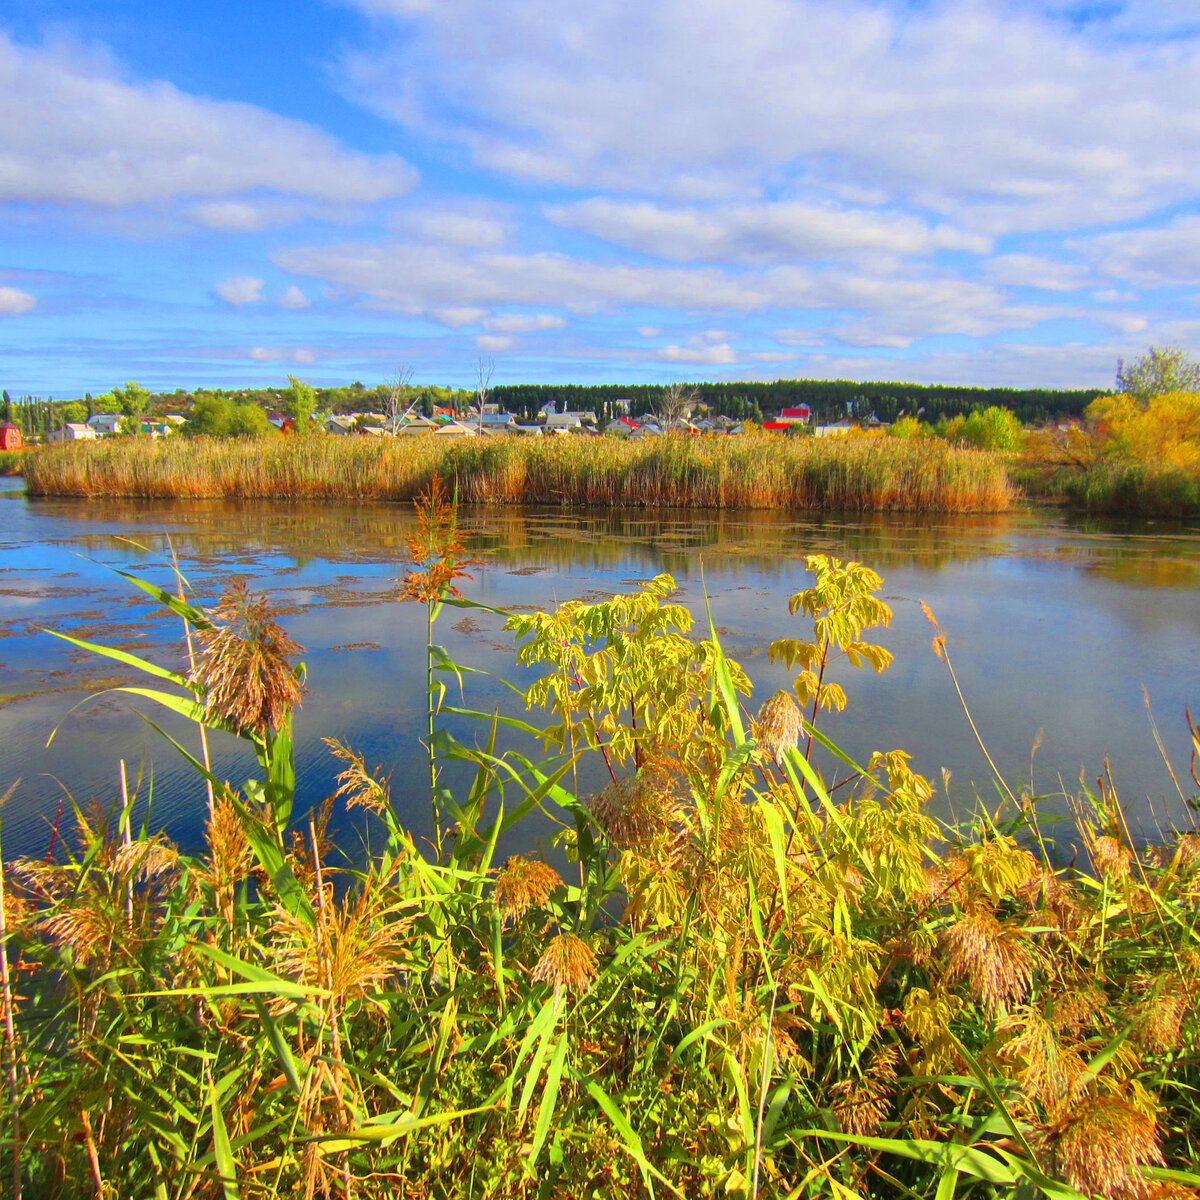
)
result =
(1057, 628)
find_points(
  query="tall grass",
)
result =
(734, 978)
(12, 462)
(755, 471)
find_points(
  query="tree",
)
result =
(6, 407)
(675, 404)
(132, 400)
(249, 421)
(1160, 370)
(298, 402)
(398, 400)
(485, 369)
(211, 416)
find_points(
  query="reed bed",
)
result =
(733, 980)
(753, 471)
(12, 462)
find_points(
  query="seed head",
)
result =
(1162, 1014)
(567, 963)
(522, 884)
(860, 1106)
(243, 668)
(779, 724)
(633, 810)
(1112, 858)
(1100, 1146)
(995, 962)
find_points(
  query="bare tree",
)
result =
(485, 368)
(675, 404)
(399, 400)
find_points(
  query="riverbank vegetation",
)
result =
(12, 462)
(1138, 456)
(751, 471)
(733, 975)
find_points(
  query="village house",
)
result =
(562, 422)
(72, 432)
(454, 429)
(411, 426)
(621, 426)
(492, 424)
(11, 437)
(104, 423)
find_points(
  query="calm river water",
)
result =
(1058, 629)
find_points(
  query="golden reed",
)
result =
(753, 471)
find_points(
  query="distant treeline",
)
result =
(828, 399)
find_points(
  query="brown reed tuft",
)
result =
(436, 548)
(1100, 1146)
(1161, 1015)
(1111, 858)
(522, 884)
(634, 810)
(991, 957)
(356, 784)
(243, 666)
(567, 964)
(780, 723)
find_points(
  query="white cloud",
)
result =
(799, 337)
(296, 354)
(477, 230)
(73, 131)
(456, 318)
(242, 216)
(239, 289)
(1160, 257)
(524, 323)
(759, 233)
(292, 297)
(875, 309)
(648, 331)
(693, 353)
(999, 116)
(493, 343)
(1036, 271)
(13, 301)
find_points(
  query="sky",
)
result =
(220, 194)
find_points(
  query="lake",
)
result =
(1058, 629)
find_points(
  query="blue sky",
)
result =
(977, 192)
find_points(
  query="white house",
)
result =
(454, 429)
(105, 422)
(71, 432)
